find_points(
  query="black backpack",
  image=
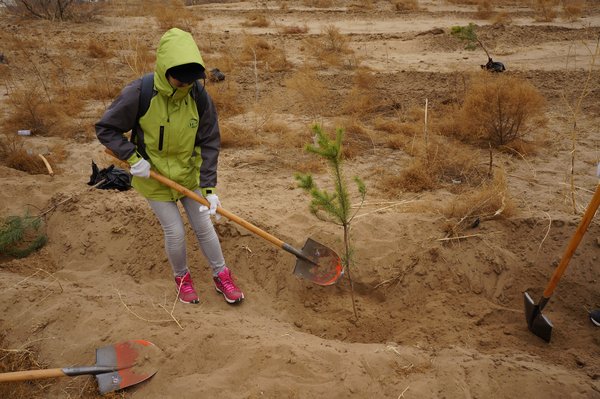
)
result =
(146, 94)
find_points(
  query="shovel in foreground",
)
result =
(536, 321)
(315, 262)
(117, 366)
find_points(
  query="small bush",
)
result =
(53, 10)
(293, 29)
(257, 21)
(405, 5)
(499, 109)
(544, 10)
(573, 9)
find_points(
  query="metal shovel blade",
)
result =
(318, 264)
(131, 362)
(536, 321)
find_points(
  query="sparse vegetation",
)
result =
(53, 10)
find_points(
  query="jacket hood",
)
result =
(176, 47)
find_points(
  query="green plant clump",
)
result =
(20, 236)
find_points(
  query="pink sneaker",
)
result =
(225, 285)
(185, 289)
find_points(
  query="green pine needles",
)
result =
(21, 235)
(333, 206)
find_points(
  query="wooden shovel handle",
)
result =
(189, 193)
(31, 375)
(575, 240)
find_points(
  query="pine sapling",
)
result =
(333, 206)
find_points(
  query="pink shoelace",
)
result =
(228, 283)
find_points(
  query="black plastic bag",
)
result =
(110, 178)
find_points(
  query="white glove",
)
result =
(598, 170)
(141, 169)
(214, 203)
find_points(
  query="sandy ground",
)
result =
(437, 319)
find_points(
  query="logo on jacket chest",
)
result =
(193, 123)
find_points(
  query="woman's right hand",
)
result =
(141, 169)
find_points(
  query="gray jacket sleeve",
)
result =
(119, 118)
(208, 138)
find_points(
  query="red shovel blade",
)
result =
(133, 361)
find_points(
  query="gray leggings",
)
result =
(172, 223)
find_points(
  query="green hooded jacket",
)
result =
(180, 142)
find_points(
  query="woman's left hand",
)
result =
(214, 202)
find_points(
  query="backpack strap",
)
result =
(146, 94)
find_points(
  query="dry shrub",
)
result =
(260, 51)
(53, 10)
(98, 50)
(439, 164)
(573, 9)
(330, 47)
(14, 155)
(31, 109)
(544, 10)
(236, 136)
(318, 3)
(226, 98)
(310, 92)
(498, 109)
(137, 56)
(173, 15)
(363, 98)
(490, 200)
(256, 20)
(485, 10)
(502, 18)
(293, 29)
(357, 138)
(405, 5)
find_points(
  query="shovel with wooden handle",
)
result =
(536, 321)
(117, 366)
(315, 262)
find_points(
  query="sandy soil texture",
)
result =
(438, 317)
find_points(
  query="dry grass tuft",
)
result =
(405, 5)
(485, 10)
(19, 359)
(439, 164)
(257, 21)
(293, 29)
(319, 3)
(490, 200)
(137, 56)
(545, 10)
(263, 54)
(572, 10)
(311, 94)
(13, 154)
(226, 99)
(363, 98)
(331, 47)
(173, 15)
(235, 136)
(98, 50)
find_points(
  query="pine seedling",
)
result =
(333, 206)
(468, 35)
(20, 235)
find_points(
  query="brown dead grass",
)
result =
(488, 201)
